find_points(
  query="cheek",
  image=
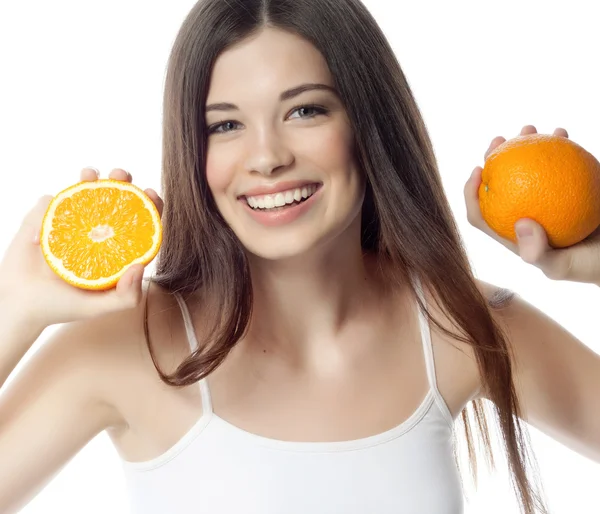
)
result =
(332, 149)
(218, 174)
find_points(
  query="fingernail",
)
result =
(523, 232)
(93, 169)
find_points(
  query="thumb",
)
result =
(532, 240)
(535, 249)
(128, 292)
(527, 233)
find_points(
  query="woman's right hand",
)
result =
(32, 292)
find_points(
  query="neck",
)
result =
(305, 306)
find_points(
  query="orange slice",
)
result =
(94, 231)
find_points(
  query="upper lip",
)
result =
(277, 188)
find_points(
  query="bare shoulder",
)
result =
(112, 354)
(498, 297)
(130, 378)
(502, 303)
(87, 377)
(458, 374)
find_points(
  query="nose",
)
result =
(267, 153)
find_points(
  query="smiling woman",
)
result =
(313, 329)
(303, 204)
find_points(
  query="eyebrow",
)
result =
(286, 95)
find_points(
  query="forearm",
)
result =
(17, 335)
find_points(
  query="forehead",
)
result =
(269, 62)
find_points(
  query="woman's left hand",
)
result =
(578, 263)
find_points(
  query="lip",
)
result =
(287, 215)
(270, 189)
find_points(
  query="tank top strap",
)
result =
(193, 342)
(428, 351)
(187, 320)
(207, 407)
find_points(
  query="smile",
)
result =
(283, 198)
(281, 212)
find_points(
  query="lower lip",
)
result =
(283, 216)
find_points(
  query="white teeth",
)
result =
(280, 199)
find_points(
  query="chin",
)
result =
(281, 248)
(320, 236)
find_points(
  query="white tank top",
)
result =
(218, 468)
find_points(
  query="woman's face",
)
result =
(280, 163)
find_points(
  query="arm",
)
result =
(17, 337)
(62, 397)
(557, 377)
(51, 410)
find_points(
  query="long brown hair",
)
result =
(406, 218)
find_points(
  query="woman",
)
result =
(282, 359)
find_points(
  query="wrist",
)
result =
(18, 321)
(18, 333)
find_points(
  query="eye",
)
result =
(214, 129)
(221, 128)
(314, 108)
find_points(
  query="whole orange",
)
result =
(547, 178)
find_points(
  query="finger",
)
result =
(129, 277)
(120, 174)
(32, 221)
(36, 213)
(496, 142)
(89, 174)
(535, 249)
(561, 132)
(528, 129)
(471, 194)
(156, 199)
(128, 291)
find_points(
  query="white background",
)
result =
(82, 85)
